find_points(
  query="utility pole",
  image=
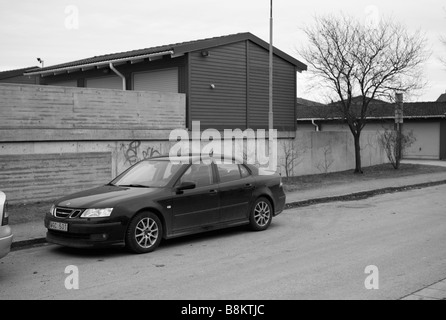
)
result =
(270, 113)
(399, 119)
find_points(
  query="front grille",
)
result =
(67, 213)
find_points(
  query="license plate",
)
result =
(59, 226)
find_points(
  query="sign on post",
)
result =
(399, 112)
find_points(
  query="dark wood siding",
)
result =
(443, 139)
(258, 94)
(284, 90)
(21, 80)
(127, 70)
(225, 106)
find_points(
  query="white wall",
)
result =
(368, 127)
(330, 151)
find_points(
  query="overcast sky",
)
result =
(49, 29)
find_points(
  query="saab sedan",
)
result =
(160, 199)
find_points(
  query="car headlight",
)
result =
(52, 210)
(97, 213)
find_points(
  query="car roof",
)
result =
(196, 156)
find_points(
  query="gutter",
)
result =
(98, 64)
(119, 74)
(314, 124)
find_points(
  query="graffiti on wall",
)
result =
(133, 152)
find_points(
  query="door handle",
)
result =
(213, 191)
(249, 186)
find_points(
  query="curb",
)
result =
(25, 244)
(362, 195)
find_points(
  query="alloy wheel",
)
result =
(146, 232)
(262, 213)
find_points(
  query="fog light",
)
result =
(99, 237)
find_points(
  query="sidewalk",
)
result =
(363, 186)
(34, 232)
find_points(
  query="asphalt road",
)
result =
(317, 252)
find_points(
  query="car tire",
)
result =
(261, 214)
(144, 233)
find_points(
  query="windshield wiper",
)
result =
(133, 185)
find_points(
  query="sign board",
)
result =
(399, 115)
(399, 112)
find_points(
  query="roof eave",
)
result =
(97, 64)
(375, 118)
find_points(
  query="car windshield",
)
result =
(148, 173)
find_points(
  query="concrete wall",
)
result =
(430, 135)
(50, 113)
(58, 140)
(36, 171)
(369, 126)
(324, 151)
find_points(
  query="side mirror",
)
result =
(186, 185)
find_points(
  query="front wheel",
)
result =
(261, 215)
(144, 233)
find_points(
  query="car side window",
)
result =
(200, 174)
(243, 171)
(228, 172)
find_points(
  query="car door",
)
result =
(235, 190)
(198, 207)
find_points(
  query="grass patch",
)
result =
(382, 171)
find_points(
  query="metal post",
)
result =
(270, 114)
(399, 116)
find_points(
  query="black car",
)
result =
(159, 198)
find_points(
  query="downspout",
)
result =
(314, 124)
(119, 75)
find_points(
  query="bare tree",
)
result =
(390, 140)
(292, 156)
(352, 59)
(327, 159)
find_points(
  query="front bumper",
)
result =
(83, 233)
(6, 237)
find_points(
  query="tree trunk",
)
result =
(358, 168)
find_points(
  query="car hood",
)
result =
(104, 197)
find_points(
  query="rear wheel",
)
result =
(144, 233)
(261, 215)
